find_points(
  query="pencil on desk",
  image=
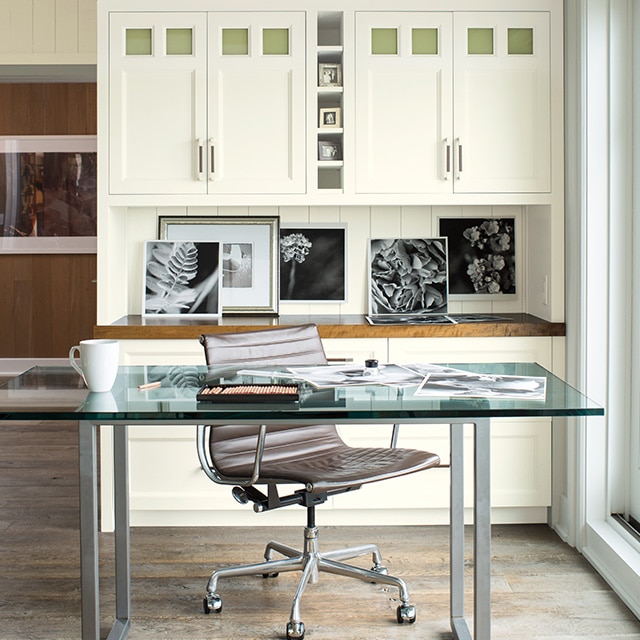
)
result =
(149, 385)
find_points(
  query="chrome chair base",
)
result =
(311, 562)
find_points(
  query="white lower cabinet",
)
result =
(167, 486)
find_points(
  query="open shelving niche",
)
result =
(330, 51)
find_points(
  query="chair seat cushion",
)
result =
(314, 456)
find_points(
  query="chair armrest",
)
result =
(202, 438)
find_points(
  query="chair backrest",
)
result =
(282, 346)
(226, 451)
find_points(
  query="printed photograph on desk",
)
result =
(462, 384)
(313, 263)
(482, 255)
(408, 276)
(182, 278)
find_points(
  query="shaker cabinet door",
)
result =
(453, 102)
(502, 107)
(257, 103)
(403, 102)
(207, 103)
(157, 103)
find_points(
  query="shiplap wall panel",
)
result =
(37, 31)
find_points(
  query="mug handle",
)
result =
(72, 359)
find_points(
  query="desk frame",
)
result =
(89, 527)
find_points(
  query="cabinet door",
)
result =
(257, 103)
(502, 108)
(157, 103)
(403, 102)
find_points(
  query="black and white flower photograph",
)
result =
(182, 278)
(312, 264)
(408, 276)
(482, 256)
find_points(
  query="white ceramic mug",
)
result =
(98, 364)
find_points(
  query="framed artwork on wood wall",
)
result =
(48, 192)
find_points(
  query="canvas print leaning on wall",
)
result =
(408, 276)
(182, 278)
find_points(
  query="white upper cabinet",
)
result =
(403, 102)
(257, 124)
(207, 103)
(452, 102)
(502, 103)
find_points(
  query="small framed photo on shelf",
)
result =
(329, 74)
(330, 118)
(329, 150)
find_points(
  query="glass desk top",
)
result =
(58, 393)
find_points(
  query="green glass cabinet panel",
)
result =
(384, 42)
(138, 42)
(480, 41)
(235, 42)
(275, 42)
(179, 42)
(520, 42)
(424, 42)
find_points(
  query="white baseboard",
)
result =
(15, 366)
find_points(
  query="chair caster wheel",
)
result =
(212, 603)
(295, 630)
(406, 613)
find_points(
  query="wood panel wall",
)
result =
(48, 301)
(48, 109)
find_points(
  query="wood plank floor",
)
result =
(542, 589)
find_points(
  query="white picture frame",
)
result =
(330, 118)
(255, 262)
(480, 240)
(17, 240)
(408, 276)
(313, 264)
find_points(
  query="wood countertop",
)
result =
(329, 326)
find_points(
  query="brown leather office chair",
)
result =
(314, 457)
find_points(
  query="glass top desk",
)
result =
(58, 394)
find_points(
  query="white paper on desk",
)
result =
(475, 385)
(263, 373)
(327, 376)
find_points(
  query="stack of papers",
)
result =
(430, 379)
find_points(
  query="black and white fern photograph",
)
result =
(182, 278)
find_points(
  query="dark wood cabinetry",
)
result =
(48, 301)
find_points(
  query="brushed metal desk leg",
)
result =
(122, 532)
(482, 531)
(89, 547)
(456, 532)
(89, 575)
